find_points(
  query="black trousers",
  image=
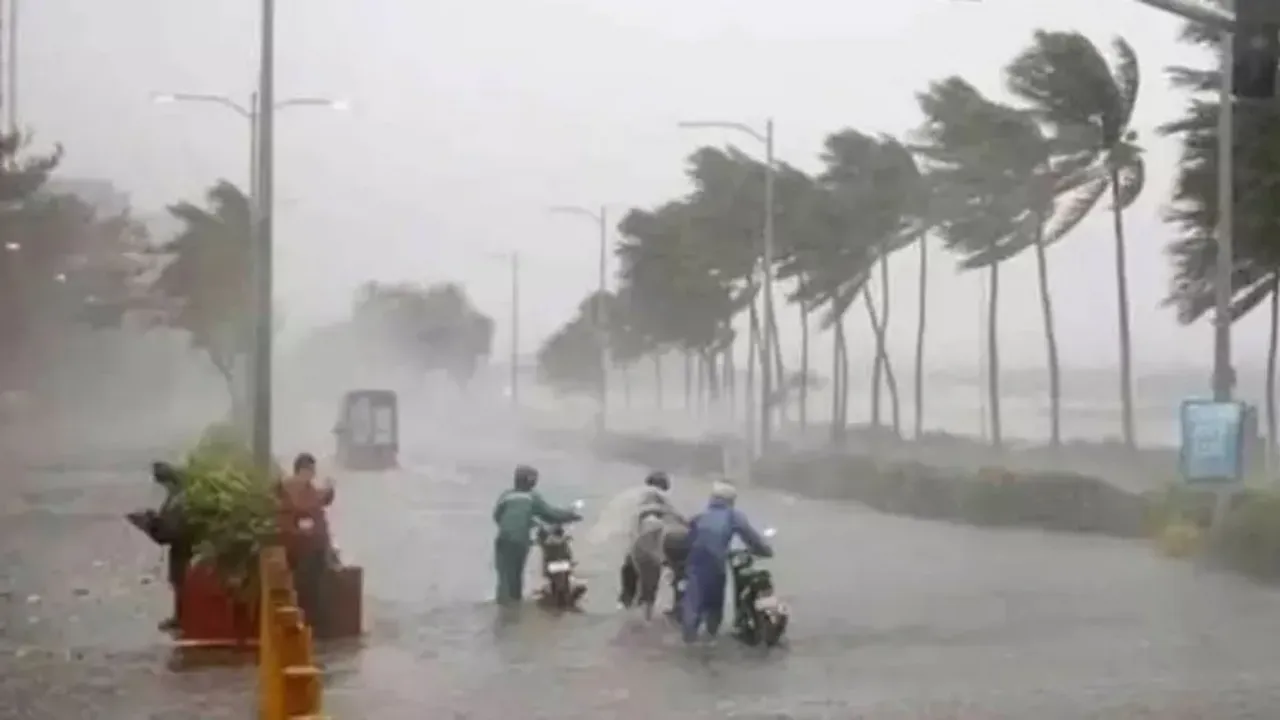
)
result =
(310, 567)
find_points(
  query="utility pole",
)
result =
(11, 70)
(515, 330)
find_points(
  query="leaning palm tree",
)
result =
(877, 179)
(1194, 211)
(996, 179)
(1088, 103)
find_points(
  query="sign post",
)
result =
(1211, 453)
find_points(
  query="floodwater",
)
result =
(893, 618)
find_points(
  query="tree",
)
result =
(1256, 213)
(437, 325)
(1087, 104)
(879, 183)
(995, 177)
(569, 361)
(62, 264)
(208, 277)
(676, 292)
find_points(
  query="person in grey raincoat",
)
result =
(515, 513)
(710, 534)
(655, 518)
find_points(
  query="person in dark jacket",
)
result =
(710, 534)
(169, 528)
(515, 513)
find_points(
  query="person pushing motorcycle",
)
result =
(515, 513)
(711, 532)
(654, 519)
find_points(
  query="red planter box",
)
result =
(211, 615)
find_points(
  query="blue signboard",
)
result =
(1212, 450)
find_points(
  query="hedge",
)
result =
(1249, 542)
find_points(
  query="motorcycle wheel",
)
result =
(770, 628)
(561, 595)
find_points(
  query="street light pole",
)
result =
(768, 255)
(262, 265)
(601, 218)
(1223, 371)
(766, 360)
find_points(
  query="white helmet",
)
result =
(724, 490)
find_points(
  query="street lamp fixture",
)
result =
(261, 183)
(767, 341)
(600, 218)
(12, 246)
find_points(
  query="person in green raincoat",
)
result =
(515, 513)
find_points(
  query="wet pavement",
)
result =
(894, 618)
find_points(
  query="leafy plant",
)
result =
(229, 506)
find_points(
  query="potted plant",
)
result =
(229, 507)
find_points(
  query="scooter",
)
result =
(563, 590)
(759, 616)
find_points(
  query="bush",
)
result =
(229, 505)
(995, 497)
(1249, 541)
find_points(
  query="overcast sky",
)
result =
(469, 118)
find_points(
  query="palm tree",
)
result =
(1256, 218)
(1088, 103)
(996, 176)
(831, 262)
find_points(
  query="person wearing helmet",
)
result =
(515, 513)
(641, 570)
(710, 534)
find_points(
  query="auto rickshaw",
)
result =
(368, 431)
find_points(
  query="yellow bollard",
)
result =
(289, 683)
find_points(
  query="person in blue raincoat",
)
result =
(710, 534)
(515, 513)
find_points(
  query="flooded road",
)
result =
(894, 618)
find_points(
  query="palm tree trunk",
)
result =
(626, 386)
(1051, 345)
(842, 338)
(876, 368)
(658, 390)
(890, 377)
(922, 291)
(1122, 307)
(837, 382)
(699, 382)
(804, 367)
(780, 370)
(1271, 374)
(688, 380)
(993, 356)
(883, 364)
(730, 383)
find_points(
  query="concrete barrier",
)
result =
(289, 682)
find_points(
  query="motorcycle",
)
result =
(563, 590)
(759, 616)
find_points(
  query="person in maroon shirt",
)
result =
(305, 530)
